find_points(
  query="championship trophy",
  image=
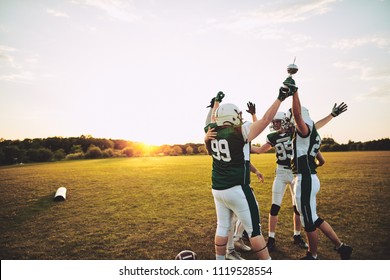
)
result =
(291, 69)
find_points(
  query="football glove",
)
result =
(219, 97)
(290, 84)
(251, 108)
(339, 109)
(283, 93)
(211, 103)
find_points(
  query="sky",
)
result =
(145, 70)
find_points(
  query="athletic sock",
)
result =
(271, 234)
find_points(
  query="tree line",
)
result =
(88, 147)
(85, 147)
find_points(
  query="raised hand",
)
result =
(219, 97)
(283, 93)
(339, 109)
(211, 103)
(290, 84)
(251, 108)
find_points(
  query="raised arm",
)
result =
(300, 124)
(259, 125)
(336, 110)
(214, 104)
(252, 110)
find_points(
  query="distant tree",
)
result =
(76, 149)
(45, 155)
(189, 150)
(39, 155)
(128, 152)
(202, 150)
(93, 152)
(59, 154)
(2, 156)
(176, 151)
(108, 153)
(327, 140)
(120, 144)
(79, 155)
(164, 149)
(12, 154)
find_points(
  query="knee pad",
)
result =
(274, 210)
(296, 211)
(318, 222)
(310, 228)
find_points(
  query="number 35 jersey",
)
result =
(230, 152)
(282, 143)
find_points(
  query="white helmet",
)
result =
(228, 113)
(280, 116)
(304, 113)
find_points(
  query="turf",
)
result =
(154, 207)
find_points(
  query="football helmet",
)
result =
(186, 255)
(304, 113)
(228, 113)
(279, 117)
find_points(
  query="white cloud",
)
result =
(268, 21)
(20, 67)
(57, 13)
(381, 41)
(381, 93)
(365, 71)
(22, 77)
(280, 12)
(276, 13)
(115, 9)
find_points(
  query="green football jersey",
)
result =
(230, 160)
(305, 151)
(282, 143)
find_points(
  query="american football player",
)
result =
(281, 140)
(228, 142)
(306, 144)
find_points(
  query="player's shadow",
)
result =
(41, 205)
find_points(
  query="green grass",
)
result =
(154, 207)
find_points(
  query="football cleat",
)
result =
(240, 244)
(271, 244)
(309, 256)
(345, 251)
(298, 240)
(233, 255)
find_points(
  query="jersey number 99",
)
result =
(221, 150)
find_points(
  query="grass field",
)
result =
(154, 207)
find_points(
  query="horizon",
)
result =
(146, 70)
(170, 144)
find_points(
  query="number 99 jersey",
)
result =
(230, 152)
